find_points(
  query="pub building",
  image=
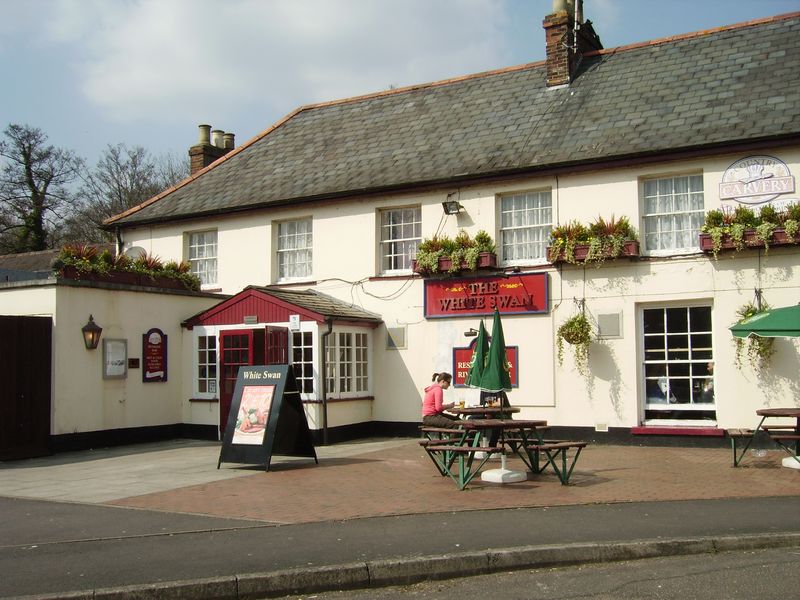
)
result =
(307, 239)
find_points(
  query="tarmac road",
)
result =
(762, 574)
(48, 547)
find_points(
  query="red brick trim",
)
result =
(702, 431)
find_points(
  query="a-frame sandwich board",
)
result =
(266, 418)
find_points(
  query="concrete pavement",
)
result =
(371, 513)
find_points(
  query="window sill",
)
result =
(209, 400)
(677, 430)
(335, 400)
(395, 276)
(210, 288)
(290, 282)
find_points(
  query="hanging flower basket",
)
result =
(577, 332)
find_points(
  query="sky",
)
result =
(90, 73)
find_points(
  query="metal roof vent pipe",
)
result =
(216, 138)
(228, 140)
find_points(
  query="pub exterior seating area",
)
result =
(365, 242)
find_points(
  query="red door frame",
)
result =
(230, 359)
(275, 350)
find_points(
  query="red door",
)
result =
(277, 346)
(236, 350)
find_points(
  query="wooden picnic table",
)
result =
(784, 436)
(455, 454)
(487, 411)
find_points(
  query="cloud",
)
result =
(188, 59)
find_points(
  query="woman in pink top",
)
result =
(432, 406)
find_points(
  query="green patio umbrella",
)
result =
(496, 375)
(479, 356)
(775, 322)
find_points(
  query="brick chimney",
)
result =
(567, 37)
(204, 152)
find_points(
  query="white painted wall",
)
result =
(346, 266)
(82, 400)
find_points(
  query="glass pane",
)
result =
(655, 370)
(654, 320)
(677, 320)
(678, 347)
(678, 369)
(680, 391)
(700, 318)
(654, 348)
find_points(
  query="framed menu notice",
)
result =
(115, 359)
(267, 418)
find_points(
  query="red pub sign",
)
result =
(462, 357)
(510, 294)
(154, 356)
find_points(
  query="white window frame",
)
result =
(387, 240)
(349, 363)
(534, 220)
(212, 333)
(287, 247)
(695, 359)
(201, 264)
(659, 196)
(311, 334)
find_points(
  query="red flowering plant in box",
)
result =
(601, 239)
(744, 227)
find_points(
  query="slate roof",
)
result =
(699, 91)
(320, 303)
(31, 262)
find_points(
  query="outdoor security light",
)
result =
(471, 332)
(452, 207)
(91, 334)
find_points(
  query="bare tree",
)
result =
(123, 178)
(34, 188)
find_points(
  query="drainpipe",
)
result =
(324, 373)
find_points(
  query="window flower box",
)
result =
(84, 263)
(750, 239)
(743, 227)
(123, 277)
(486, 260)
(440, 254)
(629, 249)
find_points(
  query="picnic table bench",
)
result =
(467, 469)
(454, 452)
(783, 435)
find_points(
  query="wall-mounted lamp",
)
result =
(91, 334)
(471, 332)
(452, 207)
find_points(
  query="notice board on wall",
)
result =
(266, 418)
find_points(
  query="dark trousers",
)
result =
(441, 420)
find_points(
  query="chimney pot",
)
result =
(216, 136)
(228, 139)
(567, 41)
(205, 131)
(563, 6)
